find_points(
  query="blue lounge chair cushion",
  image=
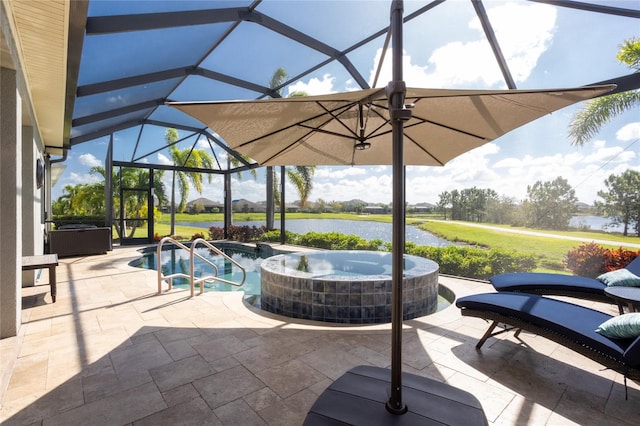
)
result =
(620, 277)
(626, 326)
(575, 322)
(531, 282)
(558, 284)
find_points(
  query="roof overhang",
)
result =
(44, 42)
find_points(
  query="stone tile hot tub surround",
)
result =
(351, 286)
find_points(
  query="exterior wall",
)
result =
(32, 203)
(11, 204)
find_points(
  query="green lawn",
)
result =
(549, 251)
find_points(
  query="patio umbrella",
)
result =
(355, 128)
(392, 125)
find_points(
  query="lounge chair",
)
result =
(557, 284)
(565, 323)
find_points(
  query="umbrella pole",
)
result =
(396, 91)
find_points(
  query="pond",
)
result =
(367, 230)
(596, 223)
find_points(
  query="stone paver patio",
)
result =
(112, 352)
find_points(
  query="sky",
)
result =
(544, 46)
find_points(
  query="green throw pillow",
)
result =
(620, 277)
(623, 326)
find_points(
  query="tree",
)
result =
(336, 206)
(587, 122)
(273, 194)
(622, 200)
(444, 203)
(302, 179)
(469, 204)
(134, 205)
(89, 199)
(300, 176)
(320, 205)
(80, 200)
(188, 157)
(550, 205)
(501, 210)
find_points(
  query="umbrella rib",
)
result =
(336, 117)
(318, 129)
(297, 124)
(312, 129)
(327, 132)
(444, 126)
(423, 149)
(301, 141)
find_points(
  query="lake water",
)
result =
(364, 229)
(596, 223)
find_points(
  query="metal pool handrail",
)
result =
(221, 253)
(191, 276)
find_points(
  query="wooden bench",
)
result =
(50, 261)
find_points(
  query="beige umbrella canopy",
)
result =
(354, 127)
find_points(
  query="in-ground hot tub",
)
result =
(345, 286)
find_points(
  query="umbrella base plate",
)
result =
(360, 396)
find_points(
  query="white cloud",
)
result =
(202, 144)
(629, 132)
(89, 160)
(370, 188)
(606, 154)
(314, 86)
(82, 178)
(339, 173)
(524, 33)
(164, 160)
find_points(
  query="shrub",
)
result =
(619, 258)
(216, 233)
(238, 233)
(197, 235)
(337, 241)
(587, 260)
(274, 236)
(473, 262)
(196, 208)
(60, 220)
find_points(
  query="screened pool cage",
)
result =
(130, 204)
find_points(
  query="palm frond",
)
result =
(588, 121)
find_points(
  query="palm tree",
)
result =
(188, 157)
(273, 194)
(301, 176)
(589, 119)
(133, 204)
(302, 179)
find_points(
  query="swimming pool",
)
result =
(176, 260)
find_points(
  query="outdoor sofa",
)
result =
(78, 240)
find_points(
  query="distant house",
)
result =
(375, 209)
(421, 208)
(583, 207)
(289, 208)
(208, 205)
(246, 206)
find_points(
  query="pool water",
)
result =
(176, 260)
